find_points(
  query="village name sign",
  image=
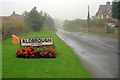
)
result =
(36, 41)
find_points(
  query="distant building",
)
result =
(15, 16)
(104, 11)
(12, 18)
(12, 24)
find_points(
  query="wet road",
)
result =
(98, 54)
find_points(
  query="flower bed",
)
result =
(36, 52)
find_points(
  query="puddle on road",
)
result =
(80, 34)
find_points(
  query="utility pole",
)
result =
(88, 20)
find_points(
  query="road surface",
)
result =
(98, 54)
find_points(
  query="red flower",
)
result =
(32, 55)
(50, 55)
(52, 49)
(19, 51)
(26, 52)
(41, 53)
(25, 49)
(31, 47)
(45, 53)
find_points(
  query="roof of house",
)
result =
(13, 16)
(104, 9)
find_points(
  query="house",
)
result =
(104, 11)
(15, 17)
(12, 24)
(12, 18)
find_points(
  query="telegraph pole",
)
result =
(88, 20)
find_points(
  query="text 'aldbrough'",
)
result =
(36, 41)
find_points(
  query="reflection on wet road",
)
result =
(98, 54)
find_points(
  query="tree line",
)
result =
(32, 20)
(77, 24)
(37, 20)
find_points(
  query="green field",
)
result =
(66, 65)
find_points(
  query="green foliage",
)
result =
(73, 25)
(116, 10)
(68, 25)
(97, 23)
(114, 36)
(48, 21)
(65, 65)
(78, 24)
(37, 20)
(33, 19)
(81, 23)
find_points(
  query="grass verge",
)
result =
(66, 65)
(115, 36)
(0, 59)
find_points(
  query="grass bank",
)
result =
(66, 65)
(115, 36)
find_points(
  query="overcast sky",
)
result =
(62, 9)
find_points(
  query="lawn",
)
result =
(66, 65)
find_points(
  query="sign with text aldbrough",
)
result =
(36, 41)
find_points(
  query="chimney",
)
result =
(13, 12)
(108, 3)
